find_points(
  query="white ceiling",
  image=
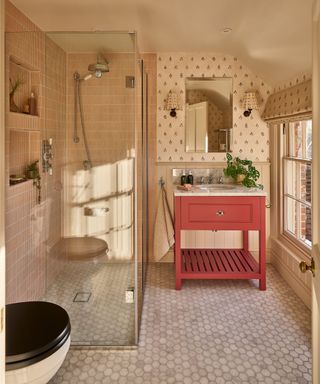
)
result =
(273, 37)
(94, 42)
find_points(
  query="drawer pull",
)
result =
(220, 213)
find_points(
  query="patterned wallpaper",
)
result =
(300, 78)
(250, 135)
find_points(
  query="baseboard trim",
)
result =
(293, 280)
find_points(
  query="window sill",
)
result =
(303, 252)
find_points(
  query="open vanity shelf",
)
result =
(218, 264)
(240, 211)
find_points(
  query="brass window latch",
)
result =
(304, 267)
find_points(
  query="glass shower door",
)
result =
(91, 263)
(142, 186)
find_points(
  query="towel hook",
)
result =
(161, 182)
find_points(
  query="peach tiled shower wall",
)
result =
(108, 108)
(109, 118)
(27, 222)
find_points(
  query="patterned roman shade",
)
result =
(291, 102)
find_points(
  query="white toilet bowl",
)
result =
(37, 341)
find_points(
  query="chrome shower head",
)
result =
(100, 67)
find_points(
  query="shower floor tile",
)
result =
(218, 332)
(93, 294)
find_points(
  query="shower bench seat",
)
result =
(215, 212)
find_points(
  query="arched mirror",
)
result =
(208, 114)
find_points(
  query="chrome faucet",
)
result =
(220, 180)
(210, 179)
(202, 180)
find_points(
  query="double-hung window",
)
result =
(297, 158)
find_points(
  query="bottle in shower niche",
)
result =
(183, 178)
(190, 178)
(32, 104)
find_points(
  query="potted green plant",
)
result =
(242, 172)
(32, 172)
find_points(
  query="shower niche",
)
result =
(24, 154)
(23, 88)
(24, 126)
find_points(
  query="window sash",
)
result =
(297, 204)
(295, 179)
(293, 226)
(292, 139)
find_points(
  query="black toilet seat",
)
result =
(34, 331)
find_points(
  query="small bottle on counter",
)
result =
(26, 108)
(190, 178)
(183, 178)
(32, 104)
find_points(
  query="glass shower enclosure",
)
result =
(94, 163)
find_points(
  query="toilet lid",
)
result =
(33, 328)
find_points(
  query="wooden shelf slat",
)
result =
(206, 261)
(241, 266)
(219, 262)
(229, 258)
(199, 257)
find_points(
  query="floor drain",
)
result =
(82, 297)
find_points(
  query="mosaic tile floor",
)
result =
(94, 296)
(219, 332)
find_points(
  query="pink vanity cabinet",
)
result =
(241, 211)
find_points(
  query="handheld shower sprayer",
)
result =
(97, 69)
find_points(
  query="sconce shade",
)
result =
(250, 102)
(172, 103)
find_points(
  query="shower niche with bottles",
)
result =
(24, 82)
(23, 88)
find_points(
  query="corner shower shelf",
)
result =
(25, 183)
(24, 114)
(16, 180)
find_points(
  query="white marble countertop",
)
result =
(220, 190)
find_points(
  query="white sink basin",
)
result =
(215, 187)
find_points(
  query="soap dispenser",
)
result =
(32, 104)
(190, 178)
(183, 178)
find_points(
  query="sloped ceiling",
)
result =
(273, 37)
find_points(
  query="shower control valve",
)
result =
(47, 155)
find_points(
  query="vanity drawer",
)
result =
(220, 212)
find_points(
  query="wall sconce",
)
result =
(250, 102)
(172, 104)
